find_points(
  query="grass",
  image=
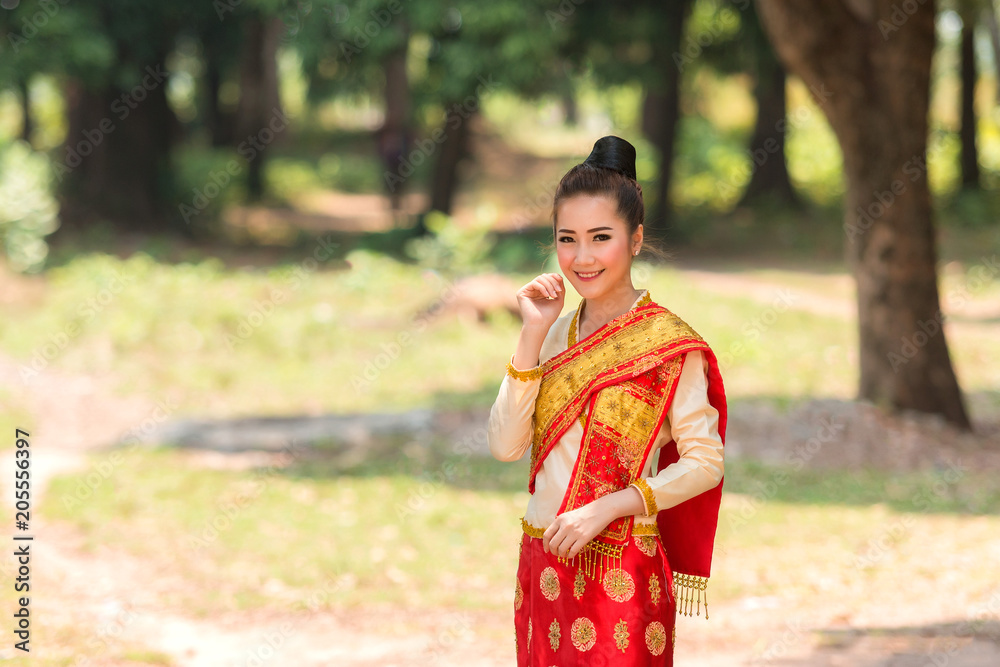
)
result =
(441, 530)
(292, 338)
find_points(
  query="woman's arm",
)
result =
(694, 426)
(510, 426)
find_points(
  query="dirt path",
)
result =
(113, 600)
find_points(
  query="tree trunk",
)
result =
(260, 101)
(661, 109)
(450, 151)
(218, 124)
(769, 179)
(115, 163)
(868, 66)
(27, 126)
(990, 16)
(970, 158)
(395, 135)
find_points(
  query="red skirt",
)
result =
(564, 617)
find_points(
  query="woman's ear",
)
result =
(637, 240)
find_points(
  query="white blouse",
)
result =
(691, 421)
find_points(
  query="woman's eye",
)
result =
(601, 237)
(565, 239)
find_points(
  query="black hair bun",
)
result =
(613, 152)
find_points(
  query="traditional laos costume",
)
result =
(639, 402)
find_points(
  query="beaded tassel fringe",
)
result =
(685, 586)
(596, 558)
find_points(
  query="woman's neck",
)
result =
(600, 311)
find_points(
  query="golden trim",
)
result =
(639, 528)
(685, 587)
(525, 376)
(530, 530)
(648, 499)
(571, 340)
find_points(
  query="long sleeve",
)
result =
(510, 425)
(694, 425)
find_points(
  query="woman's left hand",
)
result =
(570, 531)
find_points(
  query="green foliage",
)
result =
(28, 209)
(455, 248)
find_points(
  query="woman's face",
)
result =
(593, 245)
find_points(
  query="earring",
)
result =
(636, 252)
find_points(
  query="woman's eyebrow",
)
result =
(589, 231)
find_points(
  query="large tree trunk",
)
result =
(868, 63)
(661, 109)
(970, 158)
(769, 179)
(115, 163)
(260, 102)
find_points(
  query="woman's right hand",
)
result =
(541, 301)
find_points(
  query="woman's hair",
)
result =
(609, 170)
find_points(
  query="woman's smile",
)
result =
(588, 276)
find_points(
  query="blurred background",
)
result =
(257, 295)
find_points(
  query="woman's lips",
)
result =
(590, 275)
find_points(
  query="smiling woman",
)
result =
(623, 408)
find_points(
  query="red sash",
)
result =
(627, 372)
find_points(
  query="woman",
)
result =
(624, 410)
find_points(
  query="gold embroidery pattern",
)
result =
(656, 637)
(561, 394)
(529, 633)
(549, 583)
(515, 641)
(673, 639)
(574, 323)
(654, 588)
(583, 634)
(525, 376)
(518, 594)
(532, 531)
(646, 544)
(648, 499)
(579, 584)
(621, 634)
(618, 585)
(648, 529)
(554, 635)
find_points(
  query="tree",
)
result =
(867, 63)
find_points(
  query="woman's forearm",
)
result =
(529, 346)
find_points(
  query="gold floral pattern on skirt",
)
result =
(656, 637)
(554, 635)
(579, 584)
(583, 633)
(646, 544)
(621, 634)
(518, 594)
(529, 633)
(618, 585)
(549, 582)
(654, 588)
